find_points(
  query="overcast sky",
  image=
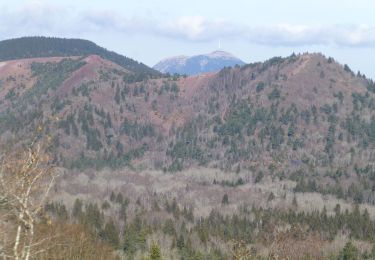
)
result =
(150, 30)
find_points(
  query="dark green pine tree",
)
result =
(111, 233)
(77, 209)
(155, 253)
(349, 252)
(225, 199)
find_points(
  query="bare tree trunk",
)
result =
(17, 240)
(28, 249)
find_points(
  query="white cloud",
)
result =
(42, 18)
(189, 26)
(339, 35)
(197, 28)
(34, 18)
(200, 29)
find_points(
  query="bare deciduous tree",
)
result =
(26, 177)
(240, 251)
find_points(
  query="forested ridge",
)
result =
(266, 160)
(33, 47)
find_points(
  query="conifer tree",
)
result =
(155, 253)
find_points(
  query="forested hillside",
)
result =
(34, 47)
(273, 157)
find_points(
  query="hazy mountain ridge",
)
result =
(198, 64)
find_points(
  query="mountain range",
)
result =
(303, 110)
(198, 64)
(239, 153)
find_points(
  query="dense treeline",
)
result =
(272, 228)
(237, 141)
(33, 47)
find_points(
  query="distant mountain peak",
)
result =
(221, 53)
(192, 65)
(181, 59)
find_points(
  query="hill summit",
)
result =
(198, 64)
(37, 47)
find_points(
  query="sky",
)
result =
(151, 30)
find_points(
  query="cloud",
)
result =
(34, 18)
(42, 18)
(197, 28)
(191, 27)
(292, 35)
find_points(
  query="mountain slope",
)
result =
(305, 118)
(193, 65)
(34, 47)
